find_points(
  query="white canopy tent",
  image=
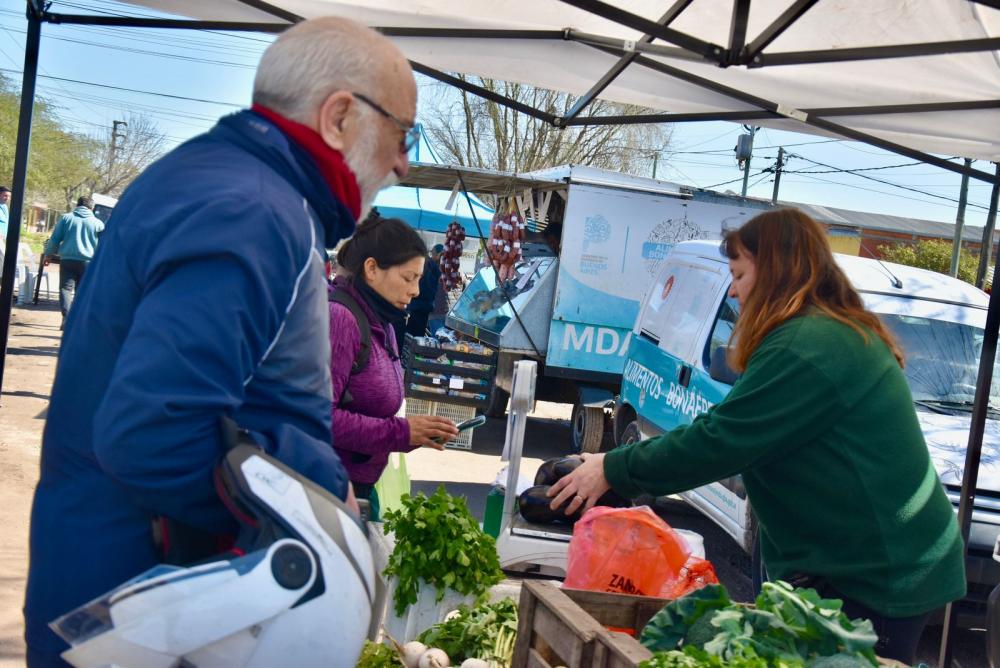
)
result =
(916, 78)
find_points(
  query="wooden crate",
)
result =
(567, 627)
(580, 629)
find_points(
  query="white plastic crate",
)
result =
(453, 412)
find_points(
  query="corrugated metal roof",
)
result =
(888, 223)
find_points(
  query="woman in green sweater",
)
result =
(821, 426)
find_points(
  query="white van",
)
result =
(685, 322)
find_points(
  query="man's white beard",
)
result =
(359, 160)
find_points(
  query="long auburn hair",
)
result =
(795, 270)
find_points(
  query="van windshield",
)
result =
(942, 360)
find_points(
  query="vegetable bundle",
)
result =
(787, 628)
(486, 631)
(440, 542)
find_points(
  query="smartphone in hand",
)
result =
(472, 423)
(477, 421)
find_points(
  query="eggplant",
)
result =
(612, 499)
(553, 469)
(533, 505)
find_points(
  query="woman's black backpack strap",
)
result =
(361, 360)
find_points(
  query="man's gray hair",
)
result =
(314, 59)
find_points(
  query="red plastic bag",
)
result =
(627, 551)
(695, 574)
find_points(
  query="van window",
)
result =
(722, 328)
(687, 299)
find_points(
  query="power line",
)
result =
(146, 52)
(850, 171)
(130, 90)
(883, 181)
(876, 191)
(739, 178)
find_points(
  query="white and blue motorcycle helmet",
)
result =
(297, 590)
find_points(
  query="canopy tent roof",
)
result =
(429, 209)
(908, 76)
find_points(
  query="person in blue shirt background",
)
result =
(74, 240)
(4, 210)
(422, 305)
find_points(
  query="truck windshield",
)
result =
(942, 360)
(486, 304)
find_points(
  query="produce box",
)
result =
(567, 627)
(454, 373)
(576, 628)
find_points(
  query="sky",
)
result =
(185, 80)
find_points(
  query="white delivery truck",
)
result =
(573, 313)
(675, 369)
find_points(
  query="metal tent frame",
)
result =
(658, 38)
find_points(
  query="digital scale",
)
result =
(524, 546)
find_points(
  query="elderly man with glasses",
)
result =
(207, 299)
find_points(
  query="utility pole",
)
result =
(115, 136)
(656, 158)
(960, 220)
(777, 175)
(744, 151)
(991, 222)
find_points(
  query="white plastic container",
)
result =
(421, 615)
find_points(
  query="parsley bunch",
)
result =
(440, 542)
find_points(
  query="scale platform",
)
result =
(522, 527)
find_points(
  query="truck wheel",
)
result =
(631, 434)
(588, 428)
(497, 407)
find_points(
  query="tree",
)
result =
(62, 164)
(932, 254)
(58, 159)
(475, 132)
(121, 158)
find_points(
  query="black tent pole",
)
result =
(20, 175)
(970, 476)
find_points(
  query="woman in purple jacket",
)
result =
(380, 269)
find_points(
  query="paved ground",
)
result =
(31, 357)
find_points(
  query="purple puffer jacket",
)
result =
(366, 430)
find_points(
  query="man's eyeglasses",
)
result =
(411, 133)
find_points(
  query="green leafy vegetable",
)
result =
(786, 628)
(486, 631)
(440, 542)
(671, 624)
(375, 655)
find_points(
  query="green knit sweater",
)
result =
(823, 429)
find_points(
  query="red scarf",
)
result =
(331, 162)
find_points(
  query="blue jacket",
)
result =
(206, 298)
(429, 284)
(75, 235)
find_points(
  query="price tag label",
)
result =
(456, 383)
